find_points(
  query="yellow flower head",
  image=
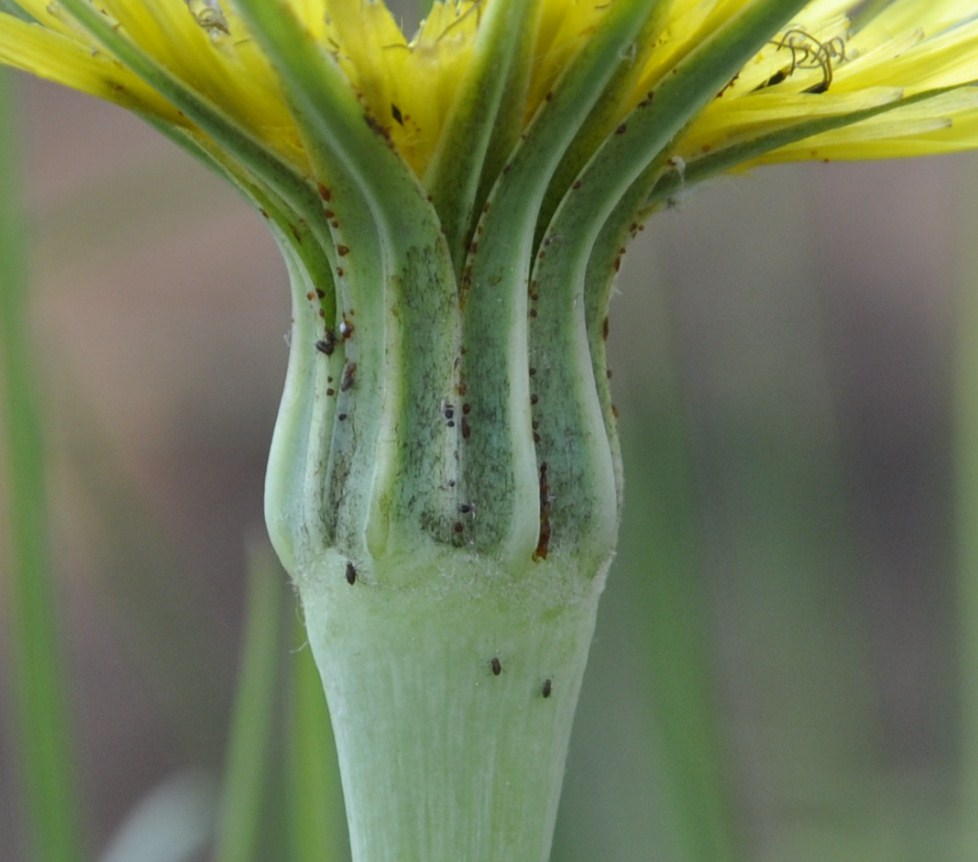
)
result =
(461, 198)
(826, 61)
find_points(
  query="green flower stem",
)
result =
(246, 772)
(50, 809)
(452, 700)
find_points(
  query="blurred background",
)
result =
(777, 667)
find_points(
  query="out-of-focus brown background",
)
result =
(793, 329)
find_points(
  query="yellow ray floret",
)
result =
(827, 61)
(824, 65)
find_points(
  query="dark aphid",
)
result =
(351, 574)
(327, 344)
(496, 666)
(349, 377)
(543, 539)
(547, 687)
(397, 115)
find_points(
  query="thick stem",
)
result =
(449, 548)
(452, 701)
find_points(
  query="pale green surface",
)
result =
(446, 755)
(173, 823)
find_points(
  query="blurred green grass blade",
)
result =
(685, 720)
(315, 802)
(246, 775)
(966, 477)
(674, 612)
(39, 690)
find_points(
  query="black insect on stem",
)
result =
(351, 574)
(327, 344)
(547, 687)
(543, 539)
(496, 666)
(349, 377)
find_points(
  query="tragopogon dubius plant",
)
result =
(444, 483)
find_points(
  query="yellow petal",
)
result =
(60, 58)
